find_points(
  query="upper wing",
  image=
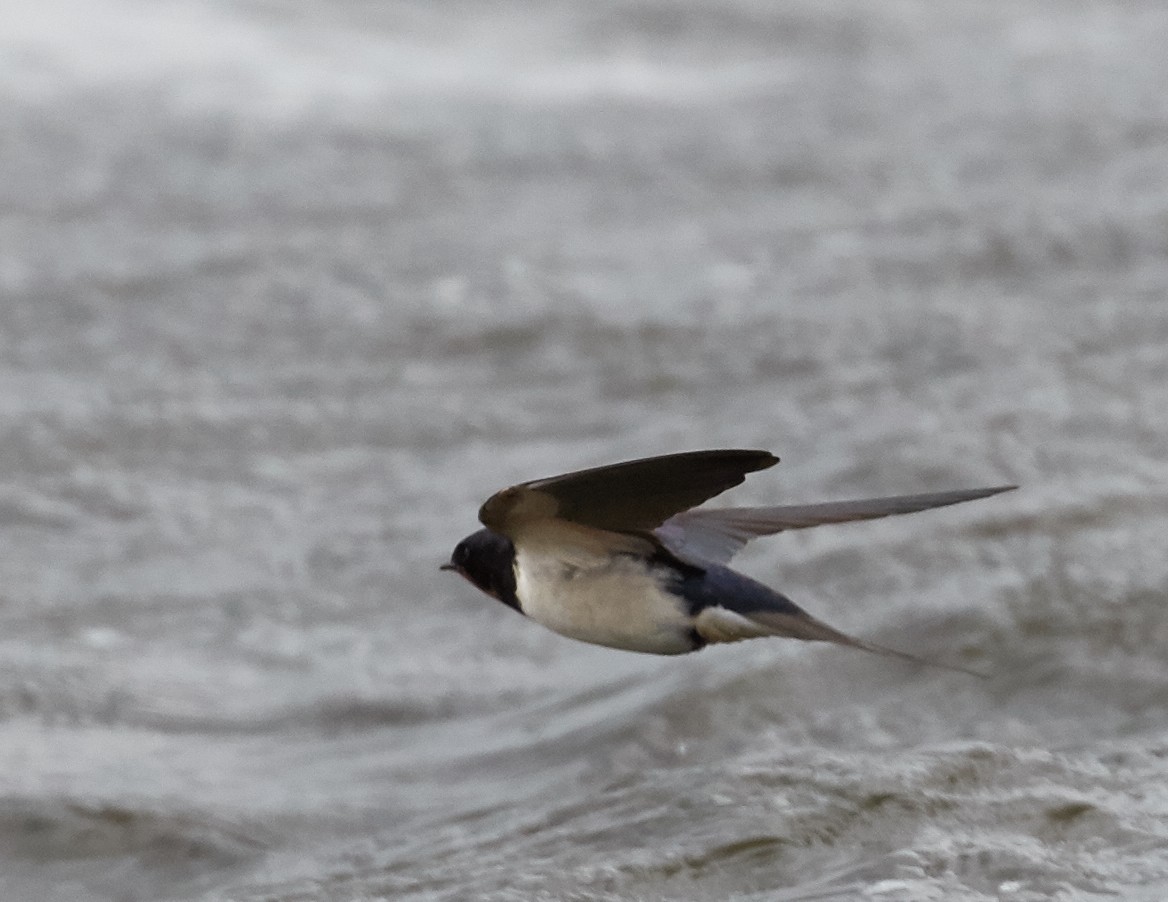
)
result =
(717, 534)
(638, 495)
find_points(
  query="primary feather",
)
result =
(717, 534)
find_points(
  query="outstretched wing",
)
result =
(635, 496)
(717, 534)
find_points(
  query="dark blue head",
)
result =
(487, 560)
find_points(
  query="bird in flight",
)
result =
(621, 556)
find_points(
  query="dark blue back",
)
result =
(718, 585)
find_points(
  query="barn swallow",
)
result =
(618, 556)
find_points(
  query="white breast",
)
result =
(598, 597)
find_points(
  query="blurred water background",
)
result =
(288, 288)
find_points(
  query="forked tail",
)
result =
(719, 624)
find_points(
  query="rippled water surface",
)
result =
(287, 289)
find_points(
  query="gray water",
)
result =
(287, 289)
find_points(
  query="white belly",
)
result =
(603, 599)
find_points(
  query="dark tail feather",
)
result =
(804, 626)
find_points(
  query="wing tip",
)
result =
(763, 457)
(759, 458)
(990, 491)
(767, 459)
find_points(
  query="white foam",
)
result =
(211, 54)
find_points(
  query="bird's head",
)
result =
(487, 561)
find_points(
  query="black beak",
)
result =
(448, 566)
